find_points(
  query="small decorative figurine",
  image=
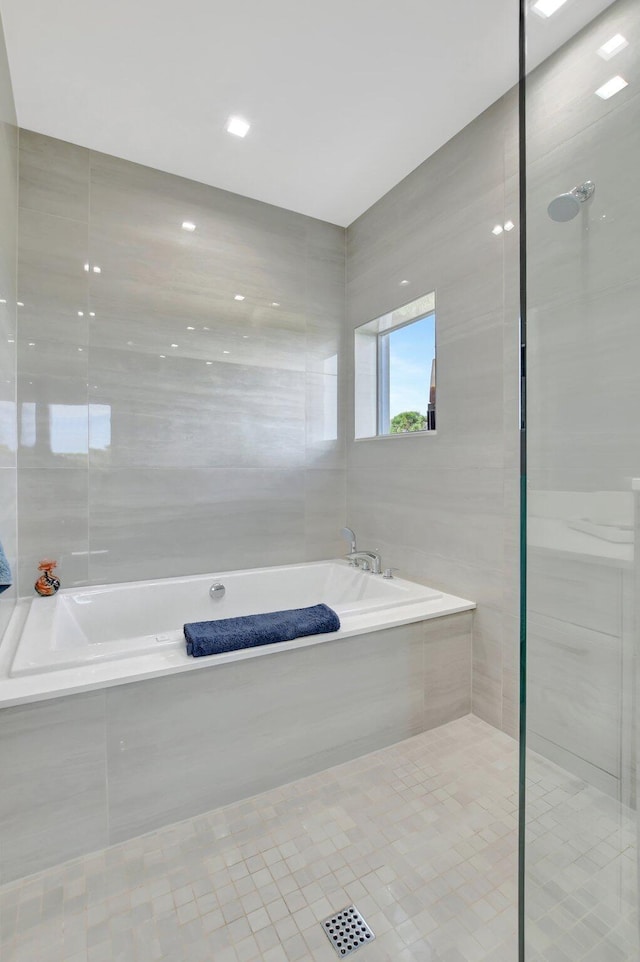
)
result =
(47, 584)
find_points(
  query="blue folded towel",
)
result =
(5, 572)
(251, 631)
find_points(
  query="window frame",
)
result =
(383, 386)
(369, 401)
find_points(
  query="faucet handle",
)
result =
(388, 573)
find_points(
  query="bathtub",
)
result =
(90, 637)
(100, 702)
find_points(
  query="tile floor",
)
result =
(420, 836)
(581, 871)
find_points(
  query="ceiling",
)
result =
(345, 97)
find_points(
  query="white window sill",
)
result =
(394, 437)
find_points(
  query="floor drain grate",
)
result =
(347, 931)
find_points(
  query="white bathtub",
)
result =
(105, 635)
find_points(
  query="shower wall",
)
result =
(8, 229)
(583, 404)
(583, 343)
(444, 507)
(165, 425)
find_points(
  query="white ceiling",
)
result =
(345, 97)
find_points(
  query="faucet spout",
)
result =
(367, 559)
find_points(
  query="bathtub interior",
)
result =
(96, 624)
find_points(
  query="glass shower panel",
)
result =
(582, 127)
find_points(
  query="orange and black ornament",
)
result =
(47, 584)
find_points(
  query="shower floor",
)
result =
(421, 837)
(581, 871)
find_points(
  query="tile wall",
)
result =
(584, 401)
(170, 428)
(444, 507)
(8, 308)
(166, 427)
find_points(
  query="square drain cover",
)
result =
(347, 931)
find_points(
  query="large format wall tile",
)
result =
(8, 538)
(53, 513)
(255, 724)
(182, 412)
(583, 391)
(447, 669)
(154, 523)
(8, 326)
(325, 508)
(52, 281)
(53, 793)
(54, 176)
(435, 505)
(192, 415)
(53, 429)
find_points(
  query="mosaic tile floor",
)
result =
(581, 869)
(420, 836)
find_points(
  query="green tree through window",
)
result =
(408, 421)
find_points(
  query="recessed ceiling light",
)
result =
(32, 343)
(275, 303)
(404, 283)
(239, 297)
(20, 303)
(10, 340)
(245, 337)
(188, 225)
(3, 300)
(509, 225)
(205, 328)
(613, 86)
(547, 8)
(79, 348)
(238, 126)
(86, 267)
(80, 313)
(612, 47)
(163, 356)
(174, 345)
(226, 352)
(208, 362)
(96, 269)
(191, 328)
(92, 313)
(497, 230)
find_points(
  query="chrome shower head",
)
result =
(565, 207)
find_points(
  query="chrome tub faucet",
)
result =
(366, 560)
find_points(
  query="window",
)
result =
(395, 372)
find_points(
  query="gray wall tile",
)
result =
(195, 460)
(435, 505)
(248, 735)
(583, 397)
(53, 514)
(447, 672)
(8, 328)
(53, 795)
(160, 522)
(54, 176)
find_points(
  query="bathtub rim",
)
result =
(26, 689)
